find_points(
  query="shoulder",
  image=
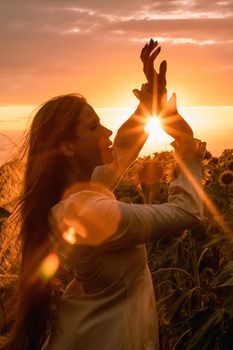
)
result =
(91, 217)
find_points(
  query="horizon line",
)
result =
(110, 108)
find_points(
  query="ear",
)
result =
(67, 149)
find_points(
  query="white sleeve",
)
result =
(102, 221)
(143, 223)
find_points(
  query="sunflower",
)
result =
(151, 173)
(171, 172)
(213, 161)
(230, 165)
(206, 172)
(226, 178)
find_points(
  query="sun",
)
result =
(153, 125)
(155, 131)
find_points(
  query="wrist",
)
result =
(184, 139)
(189, 147)
(147, 104)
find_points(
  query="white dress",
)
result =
(110, 305)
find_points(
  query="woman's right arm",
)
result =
(96, 219)
(184, 209)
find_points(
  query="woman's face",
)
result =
(92, 144)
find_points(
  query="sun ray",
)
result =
(207, 201)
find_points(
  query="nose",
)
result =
(107, 131)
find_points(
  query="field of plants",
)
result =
(192, 271)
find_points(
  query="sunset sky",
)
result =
(93, 47)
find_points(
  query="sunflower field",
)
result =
(192, 271)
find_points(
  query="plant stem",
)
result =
(197, 282)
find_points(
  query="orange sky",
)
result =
(93, 47)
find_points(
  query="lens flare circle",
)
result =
(49, 266)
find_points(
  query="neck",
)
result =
(77, 178)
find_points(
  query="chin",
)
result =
(107, 157)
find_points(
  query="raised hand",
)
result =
(156, 81)
(172, 122)
(148, 55)
(155, 89)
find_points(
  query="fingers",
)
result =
(162, 82)
(172, 102)
(143, 51)
(148, 55)
(152, 45)
(167, 108)
(162, 101)
(172, 105)
(156, 82)
(146, 47)
(163, 69)
(162, 92)
(137, 93)
(172, 121)
(148, 50)
(154, 55)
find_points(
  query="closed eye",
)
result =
(94, 126)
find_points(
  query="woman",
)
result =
(68, 206)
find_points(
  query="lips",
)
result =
(107, 146)
(107, 154)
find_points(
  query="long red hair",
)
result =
(44, 180)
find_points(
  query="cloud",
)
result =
(138, 8)
(52, 43)
(177, 41)
(43, 18)
(197, 29)
(189, 9)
